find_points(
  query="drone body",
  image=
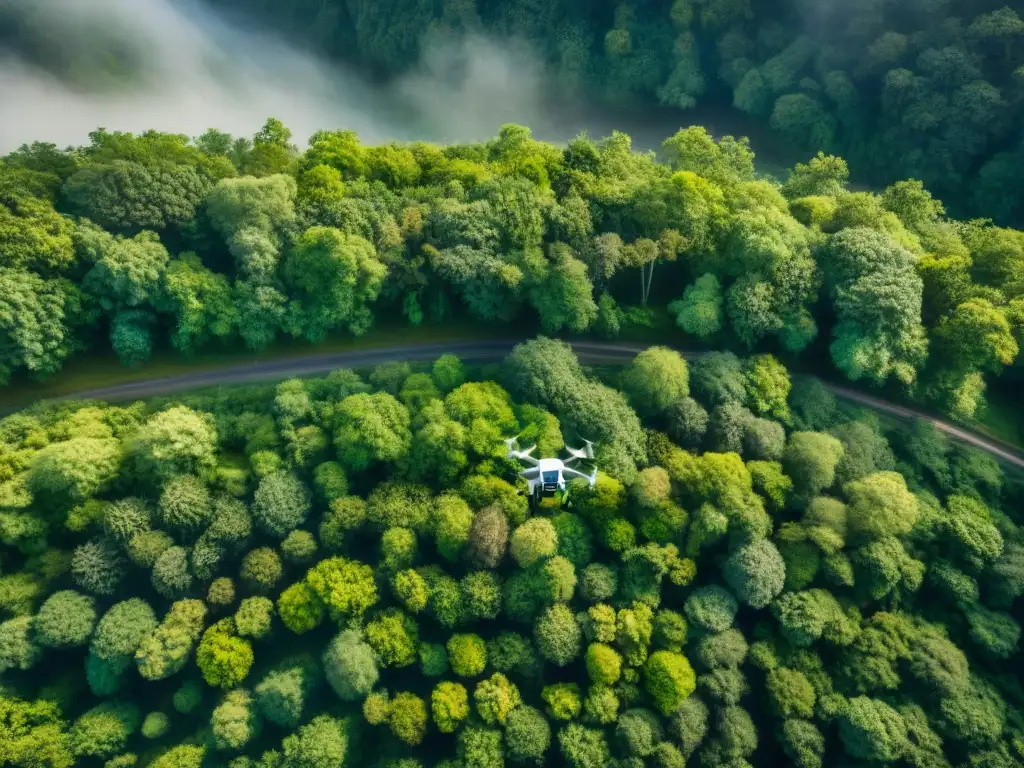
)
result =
(547, 477)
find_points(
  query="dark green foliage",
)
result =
(184, 504)
(865, 623)
(349, 666)
(527, 736)
(122, 628)
(98, 566)
(712, 608)
(282, 694)
(66, 619)
(103, 731)
(281, 504)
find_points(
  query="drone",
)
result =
(547, 477)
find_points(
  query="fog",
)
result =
(68, 67)
(176, 66)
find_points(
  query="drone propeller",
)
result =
(586, 452)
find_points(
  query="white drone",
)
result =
(547, 476)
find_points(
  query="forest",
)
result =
(924, 89)
(350, 571)
(347, 571)
(155, 239)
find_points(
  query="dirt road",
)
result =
(588, 352)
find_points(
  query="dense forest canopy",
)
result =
(925, 89)
(346, 572)
(136, 239)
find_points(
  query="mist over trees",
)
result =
(930, 90)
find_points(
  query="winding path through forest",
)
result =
(481, 351)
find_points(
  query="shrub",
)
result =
(65, 620)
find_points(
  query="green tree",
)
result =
(66, 619)
(235, 720)
(700, 311)
(350, 666)
(331, 278)
(223, 658)
(657, 378)
(449, 704)
(346, 587)
(371, 428)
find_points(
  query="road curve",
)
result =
(591, 352)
